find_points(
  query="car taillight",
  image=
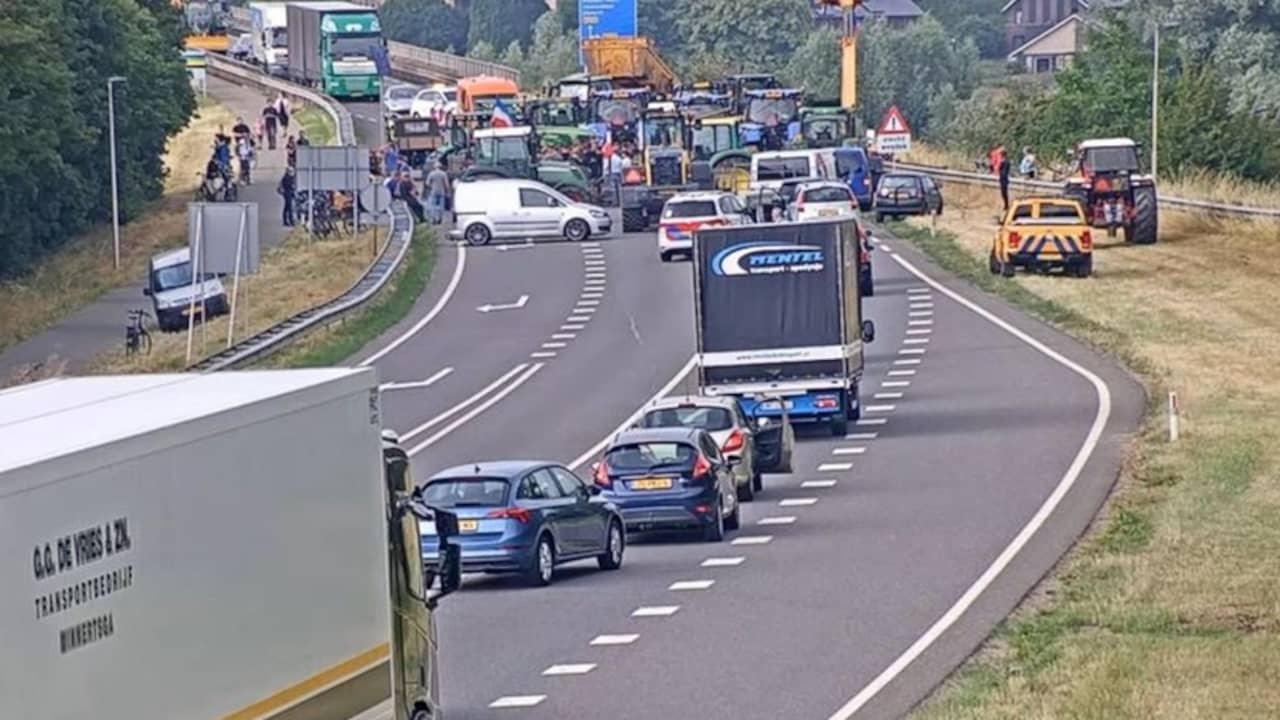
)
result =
(701, 468)
(714, 222)
(734, 442)
(827, 402)
(518, 514)
(1014, 239)
(1086, 241)
(602, 476)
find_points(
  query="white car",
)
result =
(722, 418)
(686, 213)
(521, 209)
(823, 200)
(398, 100)
(433, 101)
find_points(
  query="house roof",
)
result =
(890, 8)
(1009, 5)
(1022, 49)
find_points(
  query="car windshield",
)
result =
(711, 139)
(354, 45)
(642, 457)
(782, 168)
(174, 276)
(1111, 159)
(402, 92)
(689, 209)
(662, 131)
(279, 37)
(617, 111)
(451, 95)
(830, 194)
(503, 149)
(1050, 214)
(711, 419)
(788, 190)
(771, 111)
(466, 492)
(897, 182)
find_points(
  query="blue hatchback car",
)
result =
(524, 516)
(670, 478)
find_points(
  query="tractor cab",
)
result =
(772, 117)
(708, 137)
(504, 152)
(556, 112)
(615, 113)
(717, 158)
(1109, 185)
(825, 126)
(664, 126)
(739, 85)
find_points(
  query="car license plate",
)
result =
(651, 484)
(468, 525)
(826, 213)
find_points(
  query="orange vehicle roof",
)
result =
(486, 85)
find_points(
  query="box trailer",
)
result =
(332, 45)
(211, 546)
(779, 318)
(268, 30)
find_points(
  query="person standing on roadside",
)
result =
(1002, 172)
(409, 194)
(1027, 168)
(438, 191)
(270, 124)
(282, 112)
(288, 189)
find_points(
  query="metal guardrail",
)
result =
(1167, 201)
(370, 283)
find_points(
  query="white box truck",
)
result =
(269, 36)
(235, 545)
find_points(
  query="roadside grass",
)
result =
(1196, 185)
(1170, 606)
(81, 271)
(316, 123)
(295, 275)
(335, 344)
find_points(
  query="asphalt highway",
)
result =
(857, 582)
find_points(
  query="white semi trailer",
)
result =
(236, 545)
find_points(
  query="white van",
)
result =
(521, 209)
(170, 289)
(769, 169)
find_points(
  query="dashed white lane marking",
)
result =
(895, 383)
(849, 450)
(517, 701)
(682, 585)
(879, 408)
(889, 396)
(776, 520)
(911, 351)
(589, 294)
(861, 436)
(918, 290)
(578, 318)
(920, 313)
(818, 484)
(918, 323)
(588, 303)
(595, 275)
(570, 669)
(655, 611)
(552, 345)
(595, 283)
(752, 540)
(615, 639)
(723, 561)
(901, 373)
(593, 263)
(908, 361)
(564, 336)
(885, 248)
(915, 341)
(921, 306)
(590, 244)
(797, 502)
(919, 331)
(835, 467)
(573, 326)
(584, 310)
(872, 421)
(541, 354)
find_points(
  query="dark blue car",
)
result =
(854, 168)
(670, 479)
(524, 516)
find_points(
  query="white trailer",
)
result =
(270, 37)
(208, 546)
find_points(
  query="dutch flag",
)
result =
(501, 116)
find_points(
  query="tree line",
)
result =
(54, 156)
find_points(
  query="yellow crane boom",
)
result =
(848, 51)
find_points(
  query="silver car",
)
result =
(723, 419)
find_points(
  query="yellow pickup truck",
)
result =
(1043, 234)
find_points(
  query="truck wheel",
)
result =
(1146, 217)
(880, 217)
(1085, 268)
(1007, 269)
(633, 220)
(839, 424)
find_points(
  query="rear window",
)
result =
(848, 162)
(690, 208)
(782, 168)
(466, 492)
(1059, 211)
(897, 182)
(712, 419)
(643, 457)
(828, 195)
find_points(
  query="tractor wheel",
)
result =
(633, 220)
(993, 263)
(1145, 219)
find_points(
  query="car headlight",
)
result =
(599, 214)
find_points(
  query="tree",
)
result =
(552, 54)
(567, 13)
(746, 35)
(815, 65)
(498, 22)
(426, 23)
(979, 20)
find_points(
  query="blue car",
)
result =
(524, 516)
(669, 479)
(854, 168)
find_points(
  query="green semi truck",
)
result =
(332, 46)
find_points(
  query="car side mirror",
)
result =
(868, 331)
(594, 490)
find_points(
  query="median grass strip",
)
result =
(317, 124)
(1170, 607)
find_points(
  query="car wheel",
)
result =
(735, 519)
(1085, 268)
(715, 531)
(839, 425)
(477, 235)
(747, 491)
(1007, 269)
(666, 256)
(577, 230)
(615, 543)
(543, 566)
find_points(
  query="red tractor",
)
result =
(1112, 189)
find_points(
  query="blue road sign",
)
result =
(607, 17)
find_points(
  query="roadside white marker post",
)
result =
(235, 278)
(195, 277)
(1173, 417)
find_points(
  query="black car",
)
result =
(907, 193)
(670, 478)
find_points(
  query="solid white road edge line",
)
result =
(662, 392)
(436, 309)
(458, 408)
(965, 601)
(497, 398)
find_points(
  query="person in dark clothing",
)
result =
(270, 124)
(288, 189)
(1002, 170)
(409, 194)
(302, 138)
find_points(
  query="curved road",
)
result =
(857, 582)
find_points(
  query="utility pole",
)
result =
(115, 183)
(1155, 106)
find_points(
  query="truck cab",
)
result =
(269, 35)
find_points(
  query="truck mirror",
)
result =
(868, 331)
(450, 569)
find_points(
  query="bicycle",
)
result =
(136, 335)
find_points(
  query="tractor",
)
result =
(739, 85)
(771, 117)
(825, 125)
(1109, 185)
(511, 152)
(717, 157)
(615, 113)
(664, 167)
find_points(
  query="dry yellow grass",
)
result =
(1172, 609)
(296, 275)
(82, 270)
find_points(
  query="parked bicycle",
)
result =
(136, 337)
(219, 188)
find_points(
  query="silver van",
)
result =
(509, 209)
(170, 288)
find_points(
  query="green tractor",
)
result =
(718, 159)
(827, 125)
(511, 152)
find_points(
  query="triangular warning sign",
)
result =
(894, 123)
